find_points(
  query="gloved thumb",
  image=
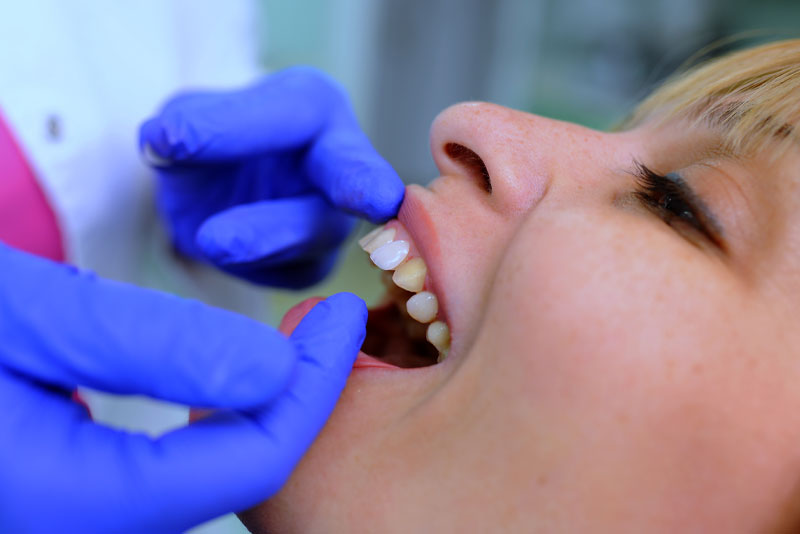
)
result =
(230, 460)
(327, 337)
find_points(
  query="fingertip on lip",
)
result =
(385, 203)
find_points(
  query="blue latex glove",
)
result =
(260, 181)
(61, 328)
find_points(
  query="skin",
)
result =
(609, 372)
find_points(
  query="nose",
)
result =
(512, 155)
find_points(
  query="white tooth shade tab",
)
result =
(390, 255)
(423, 306)
(367, 238)
(411, 275)
(381, 238)
(439, 335)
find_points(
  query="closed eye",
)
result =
(672, 199)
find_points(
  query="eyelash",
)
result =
(671, 199)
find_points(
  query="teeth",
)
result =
(367, 238)
(423, 306)
(439, 336)
(384, 237)
(389, 255)
(411, 275)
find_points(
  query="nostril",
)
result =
(472, 162)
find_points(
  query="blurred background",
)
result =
(403, 61)
(585, 61)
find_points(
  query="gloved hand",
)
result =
(61, 328)
(260, 181)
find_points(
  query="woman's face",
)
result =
(615, 366)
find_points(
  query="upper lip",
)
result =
(416, 222)
(415, 218)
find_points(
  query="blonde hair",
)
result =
(751, 97)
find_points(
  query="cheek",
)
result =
(632, 350)
(600, 291)
(597, 322)
(611, 327)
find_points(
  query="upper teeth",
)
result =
(378, 240)
(390, 255)
(411, 275)
(367, 238)
(439, 335)
(423, 306)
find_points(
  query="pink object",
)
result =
(27, 222)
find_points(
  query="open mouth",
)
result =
(407, 329)
(393, 337)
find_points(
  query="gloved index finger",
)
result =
(343, 164)
(68, 328)
(293, 108)
(284, 110)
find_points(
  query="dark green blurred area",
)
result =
(585, 61)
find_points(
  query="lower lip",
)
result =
(296, 314)
(365, 361)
